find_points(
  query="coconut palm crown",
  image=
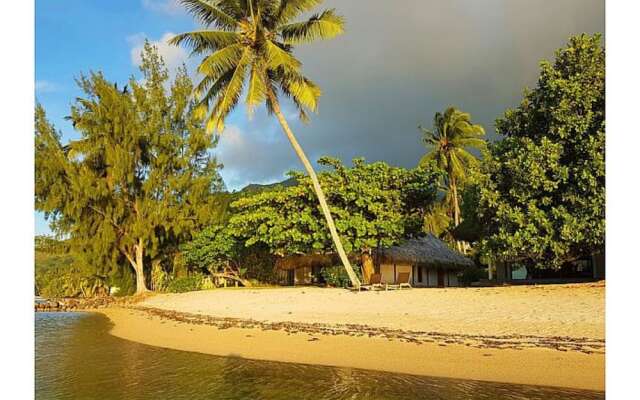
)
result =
(250, 43)
(448, 143)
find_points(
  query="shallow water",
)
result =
(76, 358)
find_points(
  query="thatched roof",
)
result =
(428, 250)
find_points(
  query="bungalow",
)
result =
(584, 269)
(428, 260)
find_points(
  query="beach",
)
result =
(551, 335)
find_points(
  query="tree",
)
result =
(140, 177)
(253, 41)
(220, 251)
(375, 205)
(542, 201)
(448, 143)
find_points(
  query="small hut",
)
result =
(428, 260)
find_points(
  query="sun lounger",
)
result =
(401, 281)
(375, 282)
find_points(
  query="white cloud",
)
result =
(173, 56)
(169, 7)
(43, 86)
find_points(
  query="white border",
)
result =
(17, 222)
(623, 197)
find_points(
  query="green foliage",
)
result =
(61, 273)
(372, 204)
(187, 283)
(159, 278)
(337, 276)
(221, 249)
(123, 280)
(449, 142)
(542, 196)
(472, 274)
(249, 46)
(215, 247)
(139, 179)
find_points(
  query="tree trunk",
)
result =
(316, 186)
(138, 266)
(456, 209)
(367, 267)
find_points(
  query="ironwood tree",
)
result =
(139, 179)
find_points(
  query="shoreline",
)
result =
(567, 362)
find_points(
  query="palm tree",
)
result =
(452, 134)
(252, 41)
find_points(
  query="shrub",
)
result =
(124, 280)
(183, 284)
(472, 274)
(337, 276)
(159, 278)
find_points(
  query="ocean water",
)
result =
(76, 358)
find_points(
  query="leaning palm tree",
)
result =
(452, 134)
(248, 46)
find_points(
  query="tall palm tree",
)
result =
(447, 144)
(251, 41)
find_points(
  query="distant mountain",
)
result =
(256, 187)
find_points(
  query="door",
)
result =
(291, 277)
(440, 277)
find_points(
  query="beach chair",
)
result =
(375, 282)
(401, 281)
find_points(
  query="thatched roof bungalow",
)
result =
(428, 260)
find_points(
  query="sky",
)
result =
(398, 63)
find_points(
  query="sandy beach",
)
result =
(549, 335)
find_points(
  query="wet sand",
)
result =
(539, 335)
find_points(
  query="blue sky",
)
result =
(396, 65)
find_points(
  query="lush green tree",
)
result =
(374, 204)
(448, 144)
(542, 201)
(253, 41)
(61, 272)
(219, 251)
(139, 179)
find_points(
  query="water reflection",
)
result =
(76, 358)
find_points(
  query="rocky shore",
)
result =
(82, 304)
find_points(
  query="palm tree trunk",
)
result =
(316, 186)
(456, 208)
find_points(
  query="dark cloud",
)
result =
(400, 62)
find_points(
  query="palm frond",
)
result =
(280, 58)
(326, 25)
(472, 142)
(427, 158)
(230, 94)
(289, 9)
(304, 91)
(221, 60)
(210, 13)
(213, 87)
(257, 89)
(202, 40)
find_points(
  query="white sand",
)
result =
(575, 310)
